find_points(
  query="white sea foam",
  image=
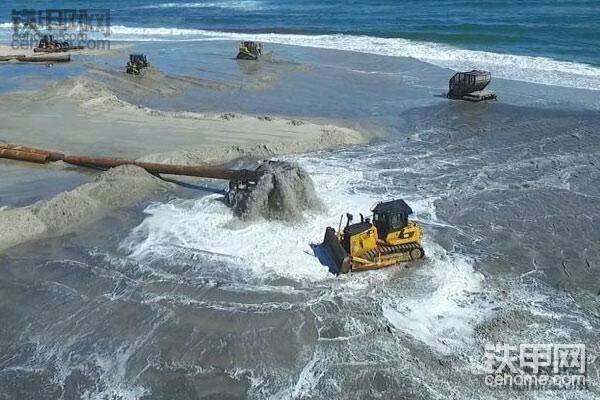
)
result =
(440, 314)
(232, 5)
(262, 248)
(444, 317)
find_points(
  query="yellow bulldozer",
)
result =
(388, 239)
(250, 51)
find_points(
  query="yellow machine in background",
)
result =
(250, 51)
(390, 238)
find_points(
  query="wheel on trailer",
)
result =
(416, 253)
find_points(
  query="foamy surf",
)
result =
(444, 317)
(266, 249)
(437, 309)
(227, 5)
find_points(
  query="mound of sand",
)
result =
(75, 113)
(284, 191)
(316, 138)
(115, 188)
(87, 93)
(153, 82)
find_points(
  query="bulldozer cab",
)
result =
(249, 50)
(390, 216)
(138, 59)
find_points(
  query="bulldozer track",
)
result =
(372, 255)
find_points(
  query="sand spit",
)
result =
(81, 116)
(328, 138)
(118, 187)
(155, 82)
(86, 93)
(73, 114)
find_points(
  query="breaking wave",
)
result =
(227, 5)
(541, 70)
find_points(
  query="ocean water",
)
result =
(553, 42)
(175, 299)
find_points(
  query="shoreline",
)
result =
(78, 110)
(121, 284)
(201, 139)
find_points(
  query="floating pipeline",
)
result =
(40, 156)
(274, 190)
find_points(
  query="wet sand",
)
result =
(81, 116)
(118, 187)
(166, 297)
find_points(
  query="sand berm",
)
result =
(81, 116)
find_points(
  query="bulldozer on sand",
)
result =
(386, 240)
(136, 64)
(250, 51)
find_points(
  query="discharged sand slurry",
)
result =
(284, 191)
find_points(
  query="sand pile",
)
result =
(284, 191)
(75, 113)
(86, 92)
(115, 188)
(295, 137)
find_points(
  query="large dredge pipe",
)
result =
(23, 155)
(39, 156)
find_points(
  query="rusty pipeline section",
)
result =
(40, 156)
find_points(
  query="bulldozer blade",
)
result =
(339, 256)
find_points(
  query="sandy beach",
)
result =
(81, 116)
(89, 111)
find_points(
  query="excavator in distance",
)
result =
(389, 239)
